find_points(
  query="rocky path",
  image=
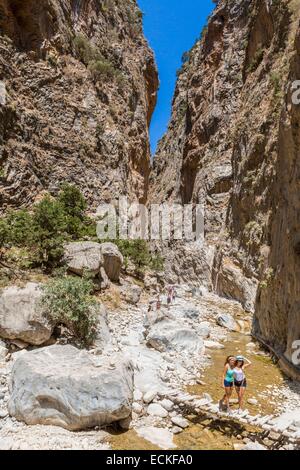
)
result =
(171, 351)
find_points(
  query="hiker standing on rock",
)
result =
(228, 382)
(240, 380)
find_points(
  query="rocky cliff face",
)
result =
(78, 88)
(233, 145)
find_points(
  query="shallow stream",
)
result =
(263, 379)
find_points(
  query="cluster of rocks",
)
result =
(135, 378)
(23, 321)
(281, 432)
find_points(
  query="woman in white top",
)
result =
(240, 381)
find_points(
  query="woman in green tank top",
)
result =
(228, 382)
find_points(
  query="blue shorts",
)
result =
(228, 384)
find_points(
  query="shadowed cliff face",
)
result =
(278, 301)
(81, 87)
(232, 144)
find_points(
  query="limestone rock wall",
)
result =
(232, 145)
(80, 83)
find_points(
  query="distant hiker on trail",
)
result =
(227, 382)
(173, 294)
(158, 303)
(169, 296)
(240, 380)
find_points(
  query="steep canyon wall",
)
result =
(80, 84)
(233, 145)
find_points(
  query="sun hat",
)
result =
(239, 358)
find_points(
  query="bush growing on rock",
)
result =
(102, 68)
(52, 222)
(98, 65)
(137, 251)
(69, 301)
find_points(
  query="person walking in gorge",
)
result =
(228, 382)
(240, 380)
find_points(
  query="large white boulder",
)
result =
(227, 321)
(21, 315)
(81, 257)
(112, 259)
(168, 335)
(63, 386)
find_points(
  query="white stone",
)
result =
(149, 396)
(204, 329)
(253, 446)
(137, 408)
(285, 420)
(252, 401)
(6, 443)
(3, 351)
(3, 413)
(227, 321)
(154, 409)
(160, 437)
(168, 335)
(180, 421)
(167, 404)
(137, 395)
(213, 345)
(176, 430)
(201, 402)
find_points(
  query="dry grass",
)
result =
(111, 297)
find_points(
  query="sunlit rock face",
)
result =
(80, 84)
(232, 145)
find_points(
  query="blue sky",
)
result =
(171, 27)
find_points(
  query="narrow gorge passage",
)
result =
(111, 340)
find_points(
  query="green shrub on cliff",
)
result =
(102, 68)
(99, 66)
(85, 51)
(138, 252)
